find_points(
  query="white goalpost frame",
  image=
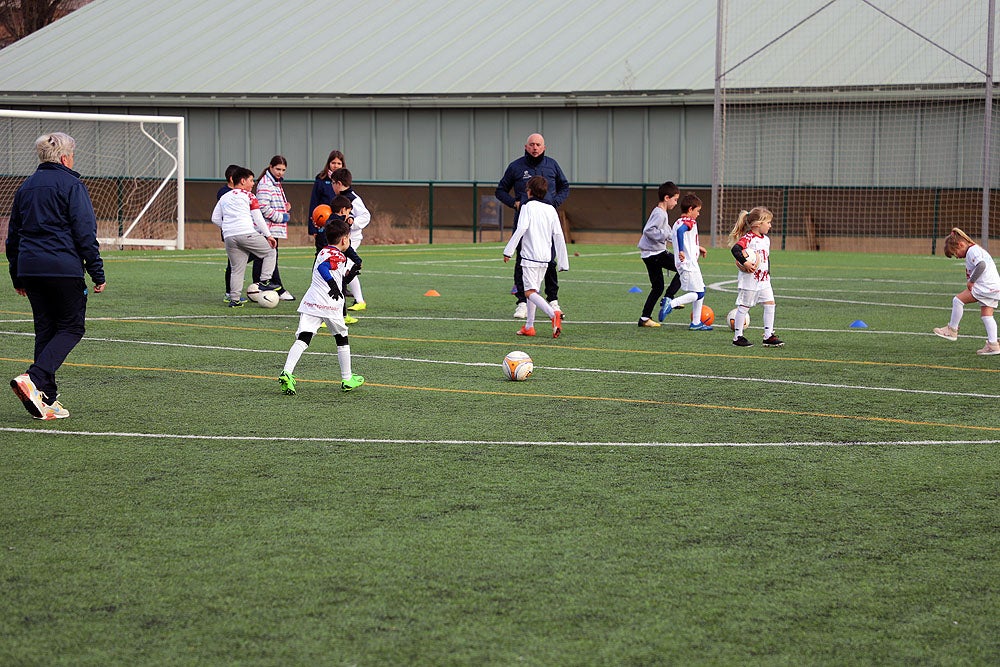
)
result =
(177, 170)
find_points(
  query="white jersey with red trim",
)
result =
(761, 245)
(987, 284)
(317, 300)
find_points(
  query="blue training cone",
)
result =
(859, 324)
(635, 290)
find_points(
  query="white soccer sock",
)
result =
(957, 309)
(294, 354)
(355, 287)
(344, 357)
(696, 309)
(689, 297)
(741, 318)
(536, 300)
(991, 328)
(768, 320)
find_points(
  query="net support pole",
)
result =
(988, 124)
(717, 149)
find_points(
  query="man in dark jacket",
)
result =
(51, 240)
(516, 177)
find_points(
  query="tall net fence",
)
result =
(863, 125)
(132, 167)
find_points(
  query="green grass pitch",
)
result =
(649, 496)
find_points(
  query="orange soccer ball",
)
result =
(321, 214)
(707, 315)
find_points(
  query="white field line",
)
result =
(517, 443)
(690, 376)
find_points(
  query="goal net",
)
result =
(864, 125)
(132, 167)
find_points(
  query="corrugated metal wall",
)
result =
(598, 145)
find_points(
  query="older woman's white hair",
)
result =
(53, 146)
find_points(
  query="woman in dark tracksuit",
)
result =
(51, 241)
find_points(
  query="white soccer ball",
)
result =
(268, 299)
(253, 292)
(731, 318)
(517, 366)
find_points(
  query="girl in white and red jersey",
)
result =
(685, 238)
(751, 248)
(982, 285)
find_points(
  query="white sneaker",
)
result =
(55, 410)
(555, 305)
(946, 332)
(26, 390)
(521, 311)
(991, 348)
(286, 296)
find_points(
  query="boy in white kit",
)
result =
(538, 231)
(324, 303)
(686, 247)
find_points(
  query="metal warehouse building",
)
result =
(430, 101)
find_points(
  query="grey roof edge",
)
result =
(589, 99)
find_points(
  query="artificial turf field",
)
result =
(649, 496)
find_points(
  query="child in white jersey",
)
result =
(982, 285)
(751, 249)
(324, 303)
(538, 231)
(685, 237)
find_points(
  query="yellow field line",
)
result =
(526, 344)
(607, 399)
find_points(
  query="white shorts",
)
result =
(751, 297)
(532, 275)
(691, 280)
(311, 323)
(990, 299)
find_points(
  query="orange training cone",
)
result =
(431, 292)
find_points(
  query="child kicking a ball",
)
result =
(751, 248)
(685, 239)
(982, 285)
(324, 303)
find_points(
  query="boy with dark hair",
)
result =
(341, 180)
(685, 238)
(653, 251)
(246, 233)
(538, 233)
(324, 303)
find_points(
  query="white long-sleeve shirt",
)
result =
(238, 213)
(538, 230)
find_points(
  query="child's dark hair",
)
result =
(241, 173)
(667, 190)
(538, 187)
(336, 230)
(689, 201)
(230, 170)
(342, 176)
(340, 202)
(275, 161)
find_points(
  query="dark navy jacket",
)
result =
(521, 170)
(53, 229)
(322, 193)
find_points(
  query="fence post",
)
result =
(430, 212)
(475, 209)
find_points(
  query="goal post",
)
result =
(862, 124)
(132, 165)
